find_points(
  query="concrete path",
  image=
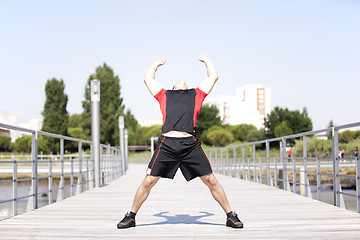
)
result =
(177, 209)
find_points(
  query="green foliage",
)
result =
(347, 136)
(111, 106)
(75, 132)
(143, 134)
(241, 131)
(208, 117)
(75, 121)
(255, 135)
(131, 124)
(5, 143)
(283, 129)
(56, 117)
(295, 120)
(315, 147)
(218, 136)
(23, 144)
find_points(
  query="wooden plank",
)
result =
(177, 209)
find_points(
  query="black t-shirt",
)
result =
(180, 109)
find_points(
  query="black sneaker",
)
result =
(127, 222)
(233, 221)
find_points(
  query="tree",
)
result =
(75, 121)
(241, 131)
(295, 120)
(347, 136)
(23, 144)
(331, 124)
(255, 135)
(218, 136)
(283, 129)
(5, 143)
(56, 118)
(208, 117)
(131, 124)
(111, 105)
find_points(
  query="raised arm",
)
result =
(149, 79)
(208, 83)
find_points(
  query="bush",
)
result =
(347, 136)
(315, 147)
(218, 136)
(5, 143)
(23, 144)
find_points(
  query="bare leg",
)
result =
(217, 191)
(143, 192)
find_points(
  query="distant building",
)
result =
(250, 104)
(12, 118)
(148, 122)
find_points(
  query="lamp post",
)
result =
(95, 127)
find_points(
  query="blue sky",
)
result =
(307, 52)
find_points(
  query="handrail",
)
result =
(281, 171)
(63, 165)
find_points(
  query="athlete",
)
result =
(178, 146)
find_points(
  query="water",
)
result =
(24, 189)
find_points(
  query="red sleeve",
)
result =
(161, 98)
(199, 98)
(201, 94)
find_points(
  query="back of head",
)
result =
(180, 85)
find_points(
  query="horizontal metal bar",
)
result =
(2, 125)
(24, 179)
(63, 137)
(347, 176)
(5, 181)
(348, 194)
(350, 125)
(7, 200)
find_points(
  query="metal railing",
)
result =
(263, 163)
(78, 168)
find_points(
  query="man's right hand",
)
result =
(158, 62)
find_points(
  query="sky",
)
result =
(306, 51)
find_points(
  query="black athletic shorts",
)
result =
(172, 153)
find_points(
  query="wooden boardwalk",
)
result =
(177, 209)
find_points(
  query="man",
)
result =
(178, 147)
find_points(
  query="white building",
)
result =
(250, 104)
(12, 118)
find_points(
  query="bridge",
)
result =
(177, 209)
(260, 188)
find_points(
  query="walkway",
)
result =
(180, 210)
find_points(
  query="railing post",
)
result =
(107, 168)
(336, 181)
(284, 163)
(126, 148)
(357, 184)
(243, 159)
(62, 184)
(95, 127)
(228, 162)
(254, 162)
(34, 169)
(80, 180)
(122, 145)
(50, 182)
(294, 175)
(268, 175)
(318, 179)
(236, 173)
(305, 165)
(15, 201)
(221, 160)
